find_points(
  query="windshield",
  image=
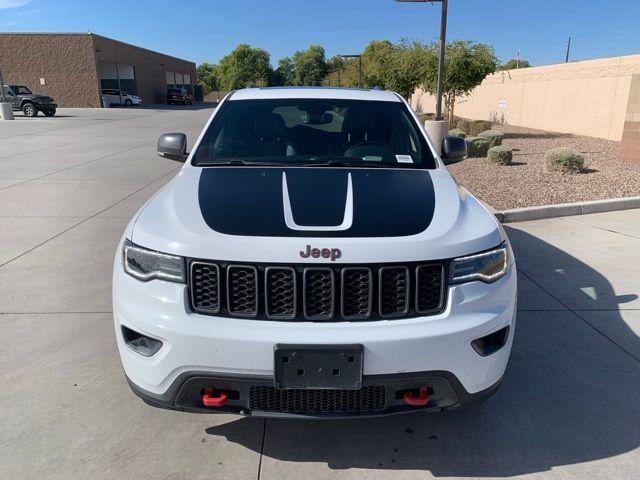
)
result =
(314, 132)
(20, 90)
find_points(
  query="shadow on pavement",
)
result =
(570, 396)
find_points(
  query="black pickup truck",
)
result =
(23, 99)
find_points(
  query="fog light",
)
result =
(139, 343)
(491, 343)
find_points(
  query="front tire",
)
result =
(49, 113)
(127, 103)
(29, 110)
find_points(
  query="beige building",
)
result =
(598, 98)
(73, 68)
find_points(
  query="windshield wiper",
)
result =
(236, 162)
(342, 163)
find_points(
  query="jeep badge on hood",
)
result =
(331, 253)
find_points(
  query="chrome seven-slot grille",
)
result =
(317, 293)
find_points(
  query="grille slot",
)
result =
(394, 290)
(357, 293)
(242, 290)
(280, 293)
(318, 296)
(269, 399)
(205, 287)
(429, 288)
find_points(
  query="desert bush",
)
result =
(456, 132)
(564, 160)
(494, 137)
(463, 125)
(478, 126)
(500, 155)
(477, 146)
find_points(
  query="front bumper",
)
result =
(244, 348)
(255, 396)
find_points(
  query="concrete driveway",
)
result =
(568, 407)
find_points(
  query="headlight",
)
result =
(486, 266)
(146, 265)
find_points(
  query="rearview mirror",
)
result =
(173, 146)
(454, 149)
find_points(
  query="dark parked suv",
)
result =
(23, 99)
(179, 96)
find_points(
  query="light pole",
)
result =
(443, 34)
(359, 57)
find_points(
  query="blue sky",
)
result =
(202, 31)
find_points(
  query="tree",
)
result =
(377, 60)
(515, 63)
(466, 66)
(244, 66)
(399, 67)
(207, 76)
(309, 66)
(335, 76)
(285, 73)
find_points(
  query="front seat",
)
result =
(270, 131)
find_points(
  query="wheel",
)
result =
(29, 110)
(50, 112)
(127, 102)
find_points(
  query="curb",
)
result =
(565, 209)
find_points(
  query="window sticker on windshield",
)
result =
(404, 158)
(371, 158)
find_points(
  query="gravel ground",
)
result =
(525, 184)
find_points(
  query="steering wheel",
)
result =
(372, 148)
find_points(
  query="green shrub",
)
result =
(456, 132)
(564, 160)
(478, 126)
(494, 137)
(500, 155)
(463, 125)
(477, 146)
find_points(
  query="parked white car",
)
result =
(118, 97)
(313, 258)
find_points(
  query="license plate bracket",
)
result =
(324, 367)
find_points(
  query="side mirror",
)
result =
(173, 146)
(454, 149)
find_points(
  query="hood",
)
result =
(272, 214)
(316, 202)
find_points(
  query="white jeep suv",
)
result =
(313, 258)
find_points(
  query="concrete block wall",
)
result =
(630, 148)
(64, 61)
(68, 63)
(585, 98)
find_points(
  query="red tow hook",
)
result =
(418, 401)
(211, 400)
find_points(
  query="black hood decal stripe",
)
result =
(250, 201)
